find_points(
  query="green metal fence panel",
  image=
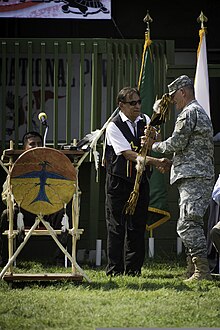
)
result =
(43, 74)
(108, 78)
(55, 109)
(74, 81)
(16, 93)
(94, 87)
(81, 89)
(29, 85)
(68, 91)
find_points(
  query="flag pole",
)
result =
(157, 117)
(203, 30)
(202, 18)
(201, 82)
(147, 19)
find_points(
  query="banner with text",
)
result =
(74, 9)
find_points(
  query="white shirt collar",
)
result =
(124, 118)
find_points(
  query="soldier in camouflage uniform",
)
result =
(192, 169)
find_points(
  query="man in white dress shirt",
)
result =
(126, 233)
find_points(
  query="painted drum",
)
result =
(43, 180)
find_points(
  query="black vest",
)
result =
(118, 165)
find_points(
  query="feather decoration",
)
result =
(20, 221)
(65, 221)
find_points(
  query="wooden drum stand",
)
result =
(42, 181)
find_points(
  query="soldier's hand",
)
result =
(164, 165)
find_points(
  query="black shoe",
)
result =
(133, 273)
(114, 273)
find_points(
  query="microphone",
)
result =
(43, 118)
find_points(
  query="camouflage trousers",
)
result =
(195, 196)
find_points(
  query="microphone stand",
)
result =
(45, 135)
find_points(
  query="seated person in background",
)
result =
(31, 140)
(213, 237)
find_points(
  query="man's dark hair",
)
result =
(126, 91)
(28, 135)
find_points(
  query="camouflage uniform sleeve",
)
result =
(184, 126)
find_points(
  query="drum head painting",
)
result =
(43, 180)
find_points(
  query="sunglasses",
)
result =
(133, 103)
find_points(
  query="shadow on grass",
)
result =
(134, 284)
(156, 275)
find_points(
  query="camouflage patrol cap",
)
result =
(178, 83)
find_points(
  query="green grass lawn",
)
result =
(159, 298)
